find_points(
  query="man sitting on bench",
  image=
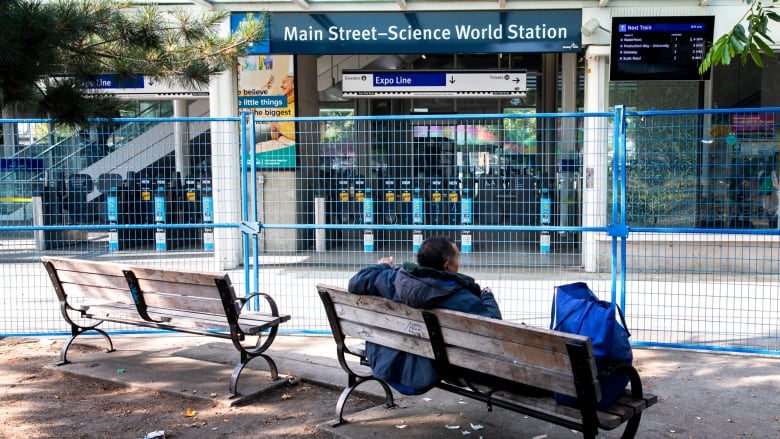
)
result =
(434, 282)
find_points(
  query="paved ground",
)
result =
(701, 394)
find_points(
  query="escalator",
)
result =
(134, 147)
(136, 153)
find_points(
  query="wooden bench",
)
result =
(509, 352)
(91, 293)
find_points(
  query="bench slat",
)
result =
(388, 319)
(527, 373)
(117, 281)
(253, 322)
(507, 331)
(373, 303)
(178, 278)
(381, 336)
(98, 293)
(504, 339)
(189, 290)
(256, 321)
(623, 409)
(182, 302)
(82, 266)
(112, 312)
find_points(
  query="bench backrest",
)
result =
(73, 278)
(184, 290)
(508, 350)
(156, 288)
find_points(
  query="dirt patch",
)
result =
(41, 402)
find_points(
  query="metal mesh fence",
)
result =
(130, 190)
(672, 214)
(505, 188)
(701, 198)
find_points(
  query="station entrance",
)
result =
(442, 161)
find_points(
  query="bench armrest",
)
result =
(241, 301)
(633, 376)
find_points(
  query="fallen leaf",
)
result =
(189, 413)
(287, 396)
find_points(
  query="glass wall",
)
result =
(711, 170)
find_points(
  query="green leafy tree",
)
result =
(751, 43)
(51, 51)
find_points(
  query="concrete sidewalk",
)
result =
(701, 394)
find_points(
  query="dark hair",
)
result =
(435, 251)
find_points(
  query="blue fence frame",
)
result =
(673, 206)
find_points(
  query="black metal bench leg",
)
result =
(75, 333)
(389, 403)
(632, 425)
(245, 359)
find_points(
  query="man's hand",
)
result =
(386, 260)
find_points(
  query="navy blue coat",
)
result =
(418, 287)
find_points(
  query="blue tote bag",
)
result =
(577, 310)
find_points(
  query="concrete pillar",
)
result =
(308, 141)
(568, 101)
(180, 141)
(594, 152)
(226, 177)
(547, 102)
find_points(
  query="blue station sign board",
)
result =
(422, 32)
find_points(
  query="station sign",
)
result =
(14, 164)
(537, 31)
(141, 86)
(427, 83)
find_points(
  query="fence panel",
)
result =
(508, 189)
(702, 206)
(131, 190)
(532, 200)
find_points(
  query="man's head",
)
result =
(440, 253)
(288, 85)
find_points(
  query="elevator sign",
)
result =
(410, 83)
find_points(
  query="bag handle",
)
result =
(591, 298)
(623, 319)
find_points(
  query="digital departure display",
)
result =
(659, 48)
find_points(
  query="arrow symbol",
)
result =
(516, 80)
(452, 79)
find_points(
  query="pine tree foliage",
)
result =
(50, 51)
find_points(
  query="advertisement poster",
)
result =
(266, 86)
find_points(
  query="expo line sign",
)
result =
(410, 83)
(140, 86)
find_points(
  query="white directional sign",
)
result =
(140, 86)
(426, 83)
